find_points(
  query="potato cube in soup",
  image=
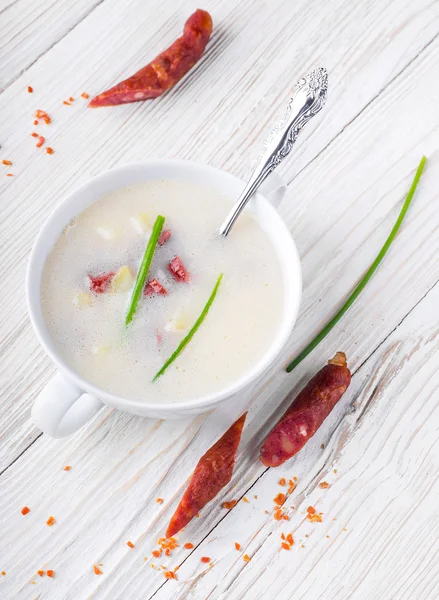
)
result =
(141, 223)
(82, 299)
(123, 281)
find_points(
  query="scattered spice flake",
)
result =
(8, 163)
(34, 134)
(229, 505)
(295, 478)
(322, 446)
(314, 518)
(176, 568)
(205, 559)
(170, 575)
(50, 573)
(130, 544)
(157, 553)
(152, 566)
(324, 485)
(344, 529)
(71, 99)
(327, 536)
(50, 150)
(50, 521)
(9, 175)
(33, 582)
(97, 570)
(66, 103)
(25, 510)
(145, 558)
(3, 573)
(335, 471)
(282, 481)
(36, 122)
(290, 539)
(30, 89)
(246, 558)
(255, 497)
(41, 114)
(266, 512)
(85, 95)
(188, 546)
(285, 546)
(279, 499)
(159, 500)
(41, 141)
(285, 517)
(198, 515)
(278, 514)
(245, 499)
(40, 573)
(67, 467)
(311, 510)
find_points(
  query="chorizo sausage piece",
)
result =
(178, 270)
(307, 412)
(166, 69)
(100, 283)
(213, 471)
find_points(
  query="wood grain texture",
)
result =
(349, 174)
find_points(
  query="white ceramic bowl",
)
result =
(68, 400)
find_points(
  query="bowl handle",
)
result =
(61, 408)
(274, 189)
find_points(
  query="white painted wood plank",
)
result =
(29, 29)
(210, 117)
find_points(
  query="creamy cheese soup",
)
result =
(90, 273)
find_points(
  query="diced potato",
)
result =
(101, 350)
(123, 281)
(178, 323)
(107, 233)
(82, 299)
(141, 223)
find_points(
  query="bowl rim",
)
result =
(33, 299)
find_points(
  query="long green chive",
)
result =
(144, 268)
(185, 341)
(360, 287)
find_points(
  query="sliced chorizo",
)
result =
(307, 412)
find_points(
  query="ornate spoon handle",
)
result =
(308, 97)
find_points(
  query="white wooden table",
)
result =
(352, 166)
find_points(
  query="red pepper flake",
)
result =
(50, 150)
(9, 175)
(159, 500)
(282, 481)
(36, 122)
(67, 468)
(324, 485)
(41, 141)
(291, 486)
(246, 557)
(34, 134)
(50, 521)
(314, 518)
(245, 499)
(188, 546)
(97, 570)
(278, 514)
(311, 510)
(266, 512)
(178, 270)
(40, 573)
(285, 546)
(30, 89)
(170, 575)
(279, 499)
(168, 552)
(3, 573)
(164, 236)
(282, 537)
(285, 517)
(8, 163)
(71, 99)
(41, 114)
(25, 510)
(157, 553)
(237, 546)
(50, 573)
(130, 544)
(154, 287)
(85, 95)
(229, 505)
(66, 103)
(205, 559)
(290, 539)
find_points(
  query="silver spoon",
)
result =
(307, 99)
